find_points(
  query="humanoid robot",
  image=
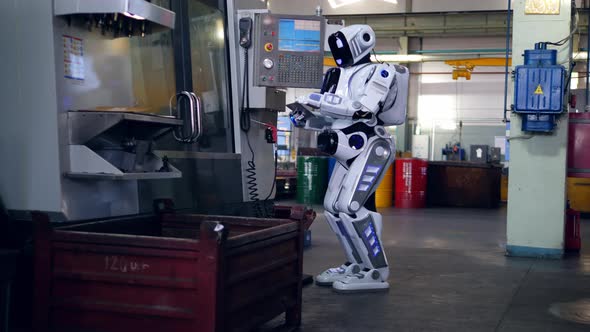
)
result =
(356, 100)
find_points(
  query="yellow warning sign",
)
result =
(539, 90)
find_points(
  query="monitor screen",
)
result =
(299, 35)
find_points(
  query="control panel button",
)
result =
(268, 47)
(268, 63)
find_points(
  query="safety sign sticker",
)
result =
(73, 58)
(539, 90)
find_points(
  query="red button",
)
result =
(274, 33)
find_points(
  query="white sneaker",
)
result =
(369, 281)
(328, 277)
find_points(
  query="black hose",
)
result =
(245, 109)
(274, 176)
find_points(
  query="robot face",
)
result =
(351, 44)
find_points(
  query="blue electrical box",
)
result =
(539, 89)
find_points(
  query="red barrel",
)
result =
(410, 183)
(578, 158)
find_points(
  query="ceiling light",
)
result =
(580, 55)
(340, 3)
(391, 1)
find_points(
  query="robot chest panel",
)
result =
(353, 80)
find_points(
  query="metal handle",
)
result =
(179, 131)
(198, 110)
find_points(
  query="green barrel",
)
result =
(312, 179)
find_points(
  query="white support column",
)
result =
(537, 187)
(400, 135)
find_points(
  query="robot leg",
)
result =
(365, 234)
(328, 277)
(364, 226)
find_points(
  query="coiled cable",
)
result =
(261, 210)
(251, 181)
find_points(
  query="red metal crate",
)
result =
(169, 272)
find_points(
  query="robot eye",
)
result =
(366, 37)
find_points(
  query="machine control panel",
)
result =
(289, 51)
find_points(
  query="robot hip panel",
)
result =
(328, 142)
(340, 145)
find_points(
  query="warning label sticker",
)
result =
(73, 58)
(539, 90)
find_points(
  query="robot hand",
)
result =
(313, 100)
(298, 119)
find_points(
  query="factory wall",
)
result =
(437, 103)
(442, 99)
(379, 6)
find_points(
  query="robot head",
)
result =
(351, 44)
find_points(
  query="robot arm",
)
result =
(376, 88)
(301, 117)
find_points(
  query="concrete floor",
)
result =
(449, 273)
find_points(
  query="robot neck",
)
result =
(365, 59)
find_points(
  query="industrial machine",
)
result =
(117, 121)
(118, 103)
(83, 114)
(287, 52)
(356, 100)
(539, 89)
(453, 152)
(479, 153)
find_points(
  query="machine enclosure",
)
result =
(539, 89)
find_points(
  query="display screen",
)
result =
(299, 35)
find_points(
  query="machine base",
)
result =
(328, 277)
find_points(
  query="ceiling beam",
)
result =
(440, 24)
